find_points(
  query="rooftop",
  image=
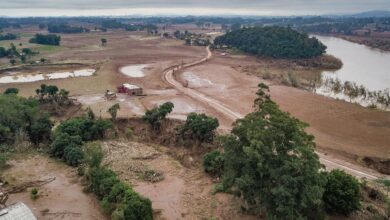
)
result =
(17, 211)
(130, 86)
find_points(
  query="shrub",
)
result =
(342, 193)
(34, 193)
(87, 129)
(213, 163)
(113, 110)
(62, 141)
(129, 133)
(41, 130)
(118, 214)
(3, 160)
(11, 91)
(93, 155)
(200, 127)
(73, 155)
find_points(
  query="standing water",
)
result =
(364, 77)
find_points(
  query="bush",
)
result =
(200, 127)
(11, 91)
(73, 155)
(41, 130)
(118, 198)
(93, 155)
(34, 193)
(3, 160)
(342, 193)
(213, 163)
(63, 141)
(87, 129)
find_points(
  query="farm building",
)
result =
(130, 89)
(17, 211)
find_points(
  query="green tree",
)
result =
(73, 155)
(113, 110)
(63, 141)
(213, 162)
(270, 162)
(104, 42)
(342, 193)
(156, 115)
(41, 130)
(11, 91)
(200, 127)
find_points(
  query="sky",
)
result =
(22, 8)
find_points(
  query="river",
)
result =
(362, 65)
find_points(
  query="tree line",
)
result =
(8, 36)
(66, 29)
(22, 119)
(277, 42)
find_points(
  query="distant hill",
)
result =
(372, 14)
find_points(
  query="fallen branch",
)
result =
(24, 186)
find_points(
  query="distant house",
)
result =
(130, 89)
(17, 211)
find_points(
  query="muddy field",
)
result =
(180, 193)
(62, 198)
(341, 129)
(337, 125)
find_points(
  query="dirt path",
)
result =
(170, 78)
(329, 162)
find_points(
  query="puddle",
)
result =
(134, 70)
(13, 78)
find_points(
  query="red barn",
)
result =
(130, 89)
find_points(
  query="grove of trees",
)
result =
(66, 29)
(21, 116)
(8, 36)
(49, 39)
(278, 42)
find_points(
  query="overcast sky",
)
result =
(186, 7)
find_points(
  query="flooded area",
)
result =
(134, 70)
(364, 77)
(14, 77)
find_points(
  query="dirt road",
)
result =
(328, 161)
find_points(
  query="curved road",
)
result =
(329, 162)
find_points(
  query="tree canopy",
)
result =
(18, 114)
(200, 127)
(63, 28)
(49, 39)
(270, 162)
(7, 36)
(278, 42)
(156, 115)
(342, 193)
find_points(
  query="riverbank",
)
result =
(373, 42)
